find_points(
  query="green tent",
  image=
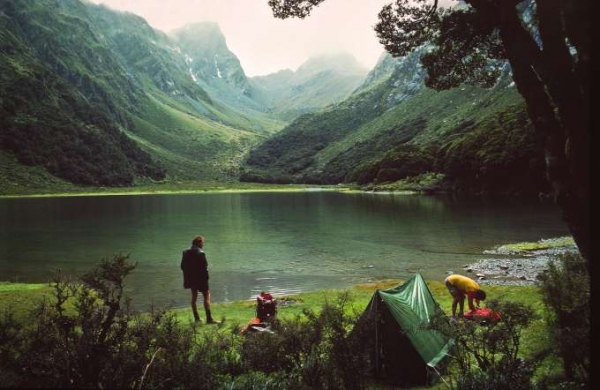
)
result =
(405, 351)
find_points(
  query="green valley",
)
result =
(394, 128)
(98, 98)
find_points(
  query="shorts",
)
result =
(202, 287)
(456, 293)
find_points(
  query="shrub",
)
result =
(566, 292)
(316, 350)
(87, 336)
(486, 356)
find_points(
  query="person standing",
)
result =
(195, 277)
(460, 287)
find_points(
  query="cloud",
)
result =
(265, 44)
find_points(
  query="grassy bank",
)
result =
(163, 188)
(21, 298)
(231, 360)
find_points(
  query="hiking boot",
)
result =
(209, 318)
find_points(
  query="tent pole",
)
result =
(377, 368)
(441, 377)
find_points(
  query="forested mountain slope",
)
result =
(393, 127)
(99, 97)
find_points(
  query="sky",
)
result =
(264, 44)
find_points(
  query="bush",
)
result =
(566, 292)
(485, 356)
(87, 336)
(316, 350)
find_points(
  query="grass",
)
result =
(22, 298)
(175, 187)
(524, 247)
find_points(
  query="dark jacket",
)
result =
(195, 269)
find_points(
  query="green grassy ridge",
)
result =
(71, 109)
(16, 178)
(190, 147)
(479, 140)
(79, 76)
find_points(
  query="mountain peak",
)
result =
(340, 62)
(207, 35)
(200, 27)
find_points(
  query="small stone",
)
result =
(523, 277)
(469, 269)
(503, 266)
(480, 275)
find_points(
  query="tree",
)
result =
(548, 46)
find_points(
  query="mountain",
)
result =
(216, 69)
(98, 97)
(279, 97)
(393, 127)
(317, 83)
(92, 96)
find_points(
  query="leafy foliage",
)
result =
(463, 47)
(566, 291)
(487, 355)
(479, 140)
(548, 47)
(499, 156)
(86, 335)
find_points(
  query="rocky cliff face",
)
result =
(209, 61)
(403, 77)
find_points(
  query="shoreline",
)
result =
(346, 190)
(210, 189)
(518, 264)
(510, 264)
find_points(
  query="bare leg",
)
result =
(206, 296)
(454, 303)
(461, 304)
(209, 319)
(194, 304)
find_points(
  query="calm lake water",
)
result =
(279, 242)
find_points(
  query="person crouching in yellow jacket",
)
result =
(461, 287)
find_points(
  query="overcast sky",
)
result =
(264, 44)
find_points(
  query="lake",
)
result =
(282, 242)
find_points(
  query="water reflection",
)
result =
(281, 242)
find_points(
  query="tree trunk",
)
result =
(557, 107)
